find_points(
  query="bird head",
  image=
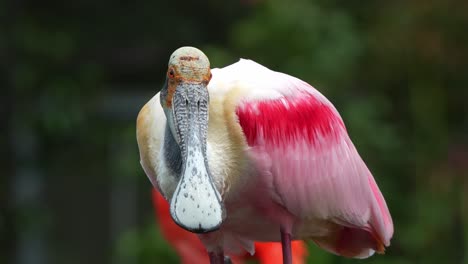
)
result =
(196, 204)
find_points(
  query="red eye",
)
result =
(171, 73)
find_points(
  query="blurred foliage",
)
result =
(397, 72)
(145, 244)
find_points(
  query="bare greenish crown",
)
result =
(190, 64)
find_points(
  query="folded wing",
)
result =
(315, 168)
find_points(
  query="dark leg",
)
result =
(286, 246)
(216, 257)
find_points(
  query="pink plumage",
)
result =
(282, 120)
(315, 170)
(278, 154)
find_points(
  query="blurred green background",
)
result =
(76, 73)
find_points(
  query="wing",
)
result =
(313, 165)
(150, 135)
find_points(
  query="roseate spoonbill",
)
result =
(247, 154)
(191, 250)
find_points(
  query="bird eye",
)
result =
(171, 73)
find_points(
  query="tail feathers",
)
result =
(352, 243)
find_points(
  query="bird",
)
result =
(190, 249)
(244, 153)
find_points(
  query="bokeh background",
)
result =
(76, 73)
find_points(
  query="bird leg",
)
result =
(286, 246)
(216, 257)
